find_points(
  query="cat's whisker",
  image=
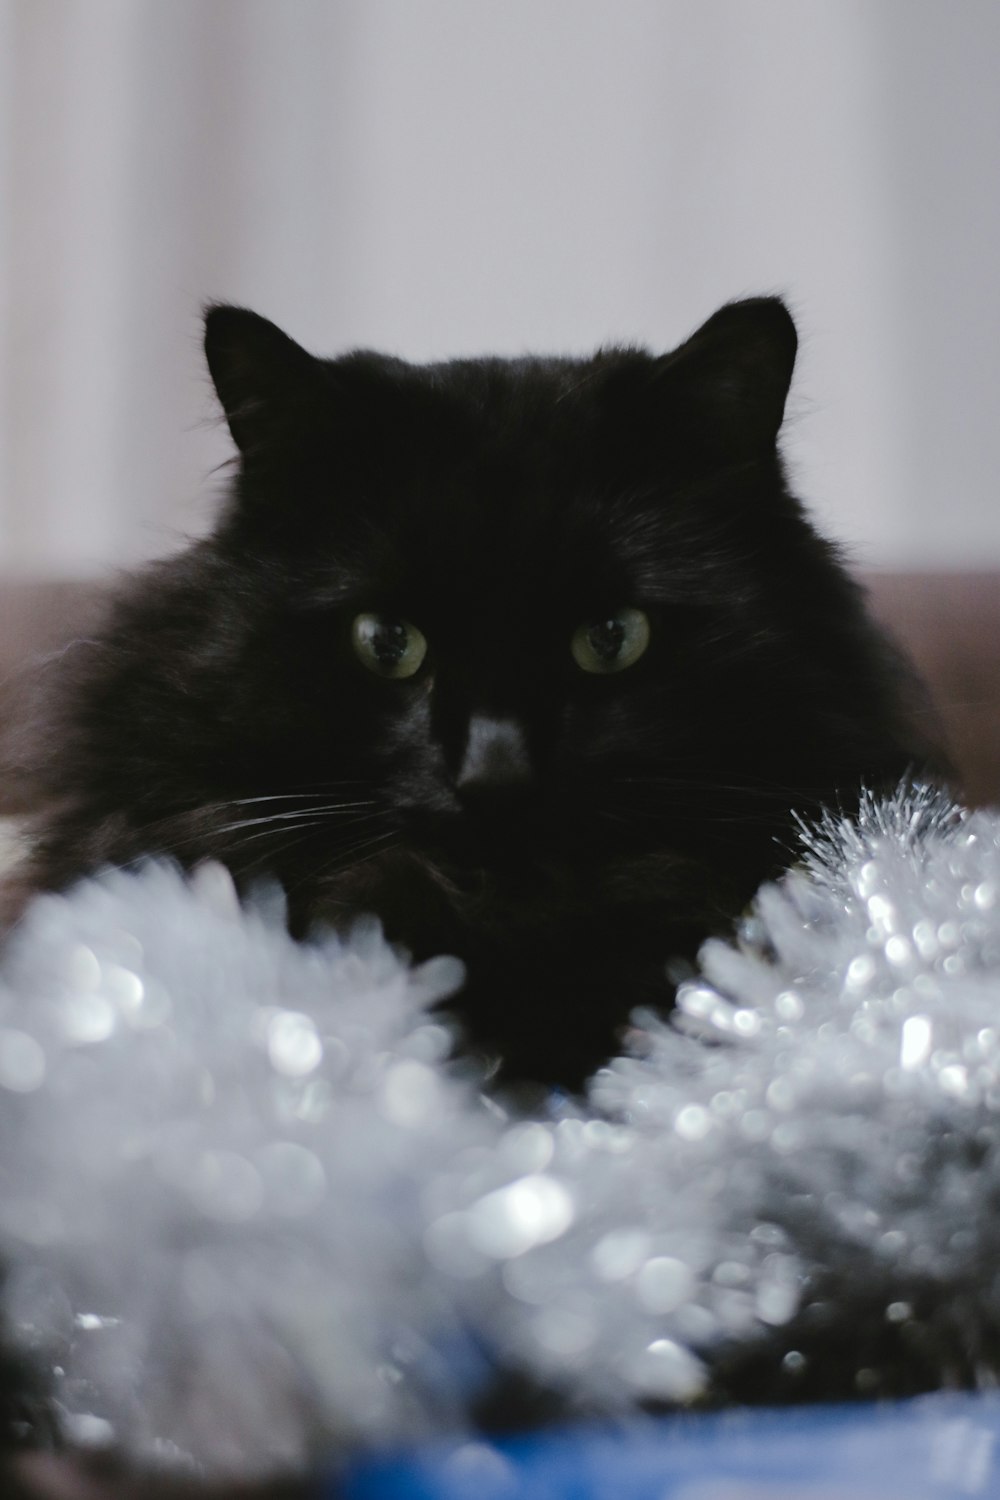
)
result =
(347, 859)
(684, 785)
(289, 797)
(331, 810)
(295, 828)
(207, 809)
(305, 823)
(678, 815)
(203, 837)
(304, 789)
(357, 864)
(296, 789)
(701, 802)
(271, 855)
(267, 858)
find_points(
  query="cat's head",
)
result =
(530, 617)
(534, 658)
(514, 592)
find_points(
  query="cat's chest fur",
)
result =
(536, 659)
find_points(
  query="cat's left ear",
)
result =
(735, 371)
(259, 373)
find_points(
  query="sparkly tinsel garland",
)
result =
(251, 1210)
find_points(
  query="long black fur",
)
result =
(497, 504)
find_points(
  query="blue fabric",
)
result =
(933, 1448)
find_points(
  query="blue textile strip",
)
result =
(944, 1447)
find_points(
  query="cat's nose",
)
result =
(495, 759)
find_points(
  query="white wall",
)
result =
(447, 176)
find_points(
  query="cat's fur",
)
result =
(565, 833)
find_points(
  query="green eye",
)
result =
(387, 646)
(612, 644)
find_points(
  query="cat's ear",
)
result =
(259, 373)
(736, 371)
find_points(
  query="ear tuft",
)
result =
(258, 372)
(738, 367)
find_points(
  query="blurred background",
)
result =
(436, 177)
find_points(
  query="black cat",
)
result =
(535, 658)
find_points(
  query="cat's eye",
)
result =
(387, 645)
(611, 644)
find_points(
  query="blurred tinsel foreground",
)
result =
(256, 1211)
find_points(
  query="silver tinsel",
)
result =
(250, 1207)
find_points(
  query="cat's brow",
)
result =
(332, 593)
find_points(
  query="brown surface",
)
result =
(107, 1476)
(948, 622)
(37, 621)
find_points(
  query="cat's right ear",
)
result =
(731, 377)
(259, 373)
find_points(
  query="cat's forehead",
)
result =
(498, 387)
(478, 543)
(485, 485)
(496, 442)
(508, 482)
(503, 402)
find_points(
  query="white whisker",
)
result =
(330, 810)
